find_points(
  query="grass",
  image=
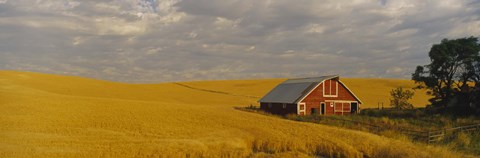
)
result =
(405, 125)
(415, 119)
(63, 116)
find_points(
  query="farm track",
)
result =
(214, 91)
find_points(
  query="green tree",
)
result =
(400, 98)
(453, 65)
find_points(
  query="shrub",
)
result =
(462, 140)
(400, 98)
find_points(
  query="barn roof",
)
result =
(292, 90)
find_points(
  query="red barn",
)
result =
(324, 95)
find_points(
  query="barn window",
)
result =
(314, 111)
(301, 108)
(330, 88)
(269, 105)
(284, 105)
(342, 108)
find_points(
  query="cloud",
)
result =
(171, 40)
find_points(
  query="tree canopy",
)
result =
(400, 98)
(453, 75)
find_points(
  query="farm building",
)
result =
(325, 95)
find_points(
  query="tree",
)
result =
(476, 88)
(400, 98)
(453, 65)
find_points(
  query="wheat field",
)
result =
(63, 116)
(371, 91)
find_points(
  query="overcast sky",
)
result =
(179, 40)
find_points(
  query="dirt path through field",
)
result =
(214, 91)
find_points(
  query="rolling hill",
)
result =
(371, 91)
(64, 116)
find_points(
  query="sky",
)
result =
(147, 41)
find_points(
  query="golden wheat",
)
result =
(370, 91)
(60, 116)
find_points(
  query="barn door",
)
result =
(354, 107)
(322, 108)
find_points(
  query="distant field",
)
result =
(370, 91)
(60, 116)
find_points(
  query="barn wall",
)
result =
(329, 109)
(277, 108)
(314, 99)
(344, 94)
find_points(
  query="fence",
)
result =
(440, 135)
(424, 136)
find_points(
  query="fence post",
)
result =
(444, 134)
(428, 137)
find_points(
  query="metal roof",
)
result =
(291, 90)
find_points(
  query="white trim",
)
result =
(336, 76)
(304, 108)
(330, 86)
(341, 101)
(309, 92)
(337, 87)
(351, 92)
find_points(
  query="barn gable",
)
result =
(341, 88)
